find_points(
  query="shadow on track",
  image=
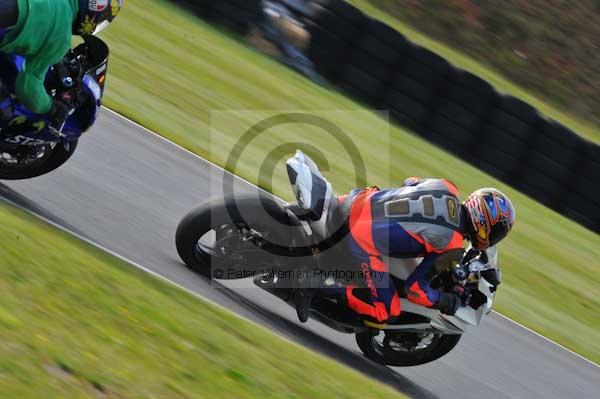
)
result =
(11, 195)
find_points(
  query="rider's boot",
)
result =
(302, 300)
(307, 286)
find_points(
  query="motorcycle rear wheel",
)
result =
(13, 168)
(395, 355)
(267, 218)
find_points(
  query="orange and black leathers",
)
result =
(420, 219)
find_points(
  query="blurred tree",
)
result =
(551, 47)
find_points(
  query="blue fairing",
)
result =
(33, 128)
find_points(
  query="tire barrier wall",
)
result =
(237, 15)
(450, 107)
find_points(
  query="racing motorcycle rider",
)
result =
(423, 218)
(41, 32)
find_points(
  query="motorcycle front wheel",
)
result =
(405, 349)
(26, 162)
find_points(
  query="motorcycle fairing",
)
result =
(28, 128)
(312, 191)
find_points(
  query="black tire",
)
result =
(193, 226)
(257, 214)
(583, 211)
(201, 8)
(451, 135)
(472, 83)
(588, 189)
(405, 109)
(235, 18)
(501, 140)
(458, 114)
(477, 103)
(388, 36)
(253, 6)
(519, 109)
(558, 142)
(58, 156)
(426, 68)
(590, 164)
(441, 345)
(540, 179)
(584, 197)
(372, 66)
(501, 154)
(344, 10)
(361, 85)
(501, 165)
(378, 50)
(327, 51)
(435, 62)
(592, 151)
(415, 70)
(584, 221)
(413, 88)
(442, 142)
(513, 125)
(550, 167)
(345, 29)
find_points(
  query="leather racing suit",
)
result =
(423, 218)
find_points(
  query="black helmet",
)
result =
(95, 15)
(490, 216)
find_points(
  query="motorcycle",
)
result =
(263, 238)
(29, 145)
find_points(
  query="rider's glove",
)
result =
(462, 292)
(448, 303)
(492, 276)
(59, 113)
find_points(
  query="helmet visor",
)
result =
(499, 231)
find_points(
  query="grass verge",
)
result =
(76, 322)
(169, 76)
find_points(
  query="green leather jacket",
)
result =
(43, 36)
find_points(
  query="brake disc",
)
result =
(24, 155)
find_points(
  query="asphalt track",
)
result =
(126, 189)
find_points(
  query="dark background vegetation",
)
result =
(551, 47)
